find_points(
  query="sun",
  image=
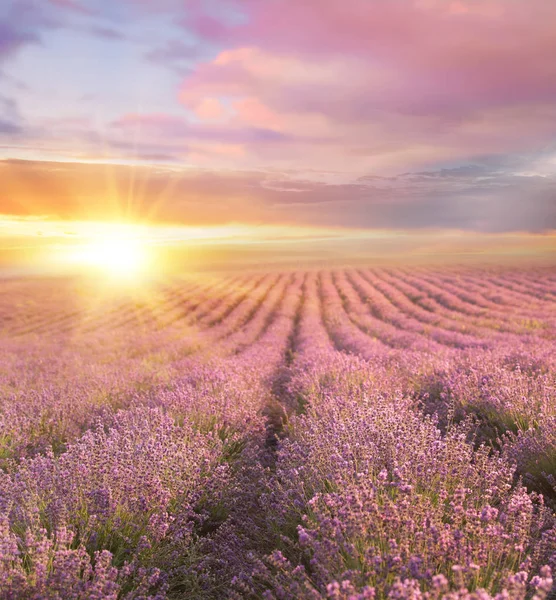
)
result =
(117, 254)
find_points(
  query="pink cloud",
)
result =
(211, 109)
(253, 111)
(230, 143)
(387, 80)
(461, 55)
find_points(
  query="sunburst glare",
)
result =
(118, 253)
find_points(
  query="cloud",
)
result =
(474, 198)
(24, 22)
(6, 127)
(454, 56)
(175, 53)
(387, 82)
(72, 5)
(162, 127)
(10, 119)
(106, 33)
(370, 113)
(12, 38)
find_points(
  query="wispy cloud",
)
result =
(471, 198)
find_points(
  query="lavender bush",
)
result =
(346, 434)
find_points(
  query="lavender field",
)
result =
(346, 434)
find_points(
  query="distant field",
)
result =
(344, 434)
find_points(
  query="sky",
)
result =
(391, 115)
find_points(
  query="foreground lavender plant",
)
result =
(347, 435)
(381, 497)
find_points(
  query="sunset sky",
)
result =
(406, 115)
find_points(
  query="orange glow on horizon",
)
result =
(129, 253)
